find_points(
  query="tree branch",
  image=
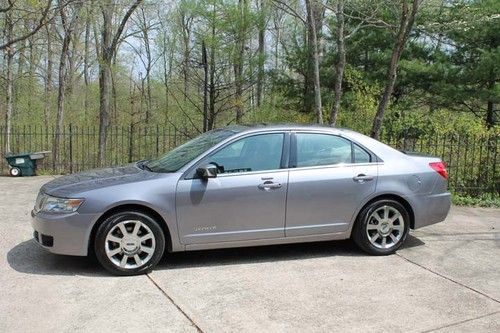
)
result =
(41, 23)
(118, 33)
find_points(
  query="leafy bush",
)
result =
(482, 200)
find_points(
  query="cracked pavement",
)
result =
(446, 279)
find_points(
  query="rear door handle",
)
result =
(361, 178)
(268, 185)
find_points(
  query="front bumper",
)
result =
(63, 233)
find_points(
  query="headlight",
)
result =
(59, 205)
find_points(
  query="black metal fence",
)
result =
(472, 160)
(79, 145)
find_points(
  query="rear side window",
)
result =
(361, 155)
(323, 149)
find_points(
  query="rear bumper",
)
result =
(430, 209)
(63, 234)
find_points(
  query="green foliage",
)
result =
(424, 123)
(483, 200)
(360, 101)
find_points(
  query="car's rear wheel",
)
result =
(129, 243)
(381, 227)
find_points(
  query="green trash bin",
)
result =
(24, 164)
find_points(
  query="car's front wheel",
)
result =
(129, 243)
(381, 227)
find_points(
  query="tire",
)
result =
(15, 172)
(129, 243)
(374, 232)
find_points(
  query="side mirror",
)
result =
(207, 171)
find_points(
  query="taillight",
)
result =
(440, 168)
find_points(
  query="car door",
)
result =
(329, 177)
(246, 200)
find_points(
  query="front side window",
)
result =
(255, 153)
(323, 149)
(180, 156)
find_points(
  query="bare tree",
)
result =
(9, 81)
(68, 24)
(239, 57)
(315, 53)
(204, 61)
(145, 55)
(48, 75)
(409, 10)
(109, 45)
(167, 55)
(261, 51)
(186, 22)
(86, 54)
(341, 62)
(44, 18)
(365, 18)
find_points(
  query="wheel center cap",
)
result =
(130, 244)
(384, 228)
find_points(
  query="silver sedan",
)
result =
(243, 186)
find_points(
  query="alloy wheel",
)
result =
(385, 227)
(130, 244)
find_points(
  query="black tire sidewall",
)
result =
(109, 223)
(361, 238)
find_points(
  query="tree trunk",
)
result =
(109, 45)
(104, 82)
(86, 65)
(72, 62)
(104, 79)
(405, 27)
(167, 71)
(63, 76)
(186, 36)
(9, 81)
(204, 61)
(340, 66)
(60, 98)
(48, 77)
(314, 44)
(149, 63)
(31, 71)
(261, 52)
(211, 89)
(114, 92)
(239, 59)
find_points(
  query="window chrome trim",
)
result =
(335, 166)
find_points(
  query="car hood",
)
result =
(67, 186)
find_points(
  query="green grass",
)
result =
(482, 200)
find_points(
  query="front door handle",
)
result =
(361, 178)
(268, 185)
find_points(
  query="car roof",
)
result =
(283, 126)
(380, 149)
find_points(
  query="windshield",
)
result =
(180, 156)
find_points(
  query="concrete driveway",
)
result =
(446, 279)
